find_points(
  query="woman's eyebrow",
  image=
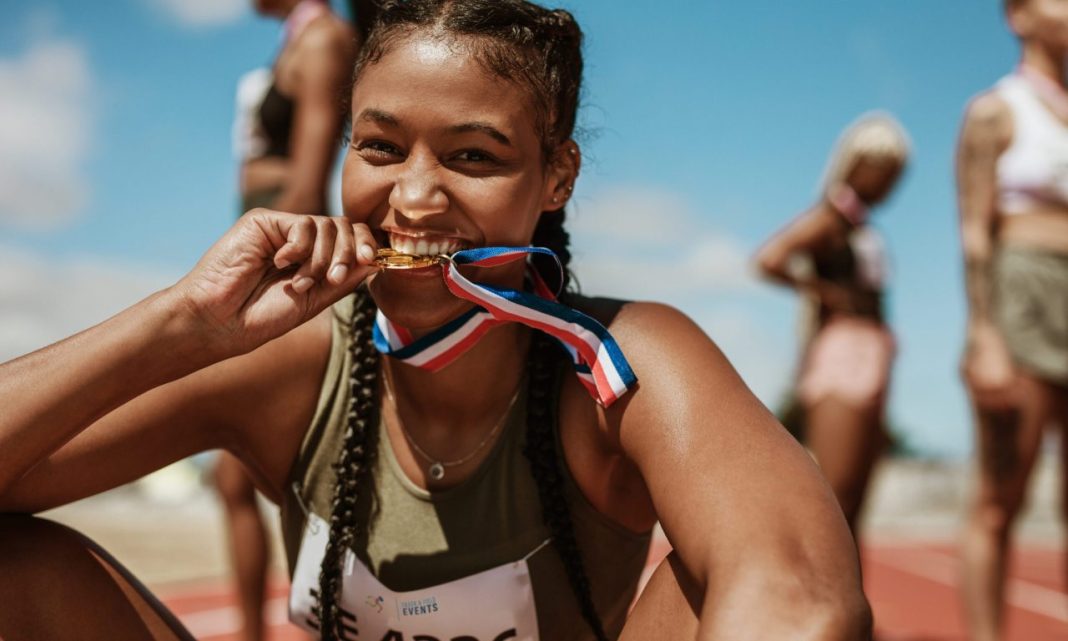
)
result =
(377, 116)
(482, 127)
(384, 118)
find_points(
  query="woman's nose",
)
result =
(418, 191)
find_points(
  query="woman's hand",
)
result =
(987, 368)
(272, 272)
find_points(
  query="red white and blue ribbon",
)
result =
(597, 359)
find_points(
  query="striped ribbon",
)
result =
(597, 359)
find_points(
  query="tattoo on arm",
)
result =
(985, 135)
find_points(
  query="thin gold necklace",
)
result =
(436, 468)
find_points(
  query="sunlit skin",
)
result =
(1011, 406)
(232, 356)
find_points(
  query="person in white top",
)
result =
(1012, 171)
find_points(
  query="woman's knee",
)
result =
(996, 514)
(56, 584)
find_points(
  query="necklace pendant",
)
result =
(437, 471)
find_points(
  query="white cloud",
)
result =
(204, 13)
(43, 300)
(640, 243)
(46, 122)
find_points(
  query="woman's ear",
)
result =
(560, 179)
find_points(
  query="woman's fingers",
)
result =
(366, 246)
(314, 268)
(326, 250)
(300, 240)
(344, 255)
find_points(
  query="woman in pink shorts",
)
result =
(835, 260)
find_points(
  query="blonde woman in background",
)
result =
(833, 258)
(1012, 171)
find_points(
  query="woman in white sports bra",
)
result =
(1012, 170)
(463, 447)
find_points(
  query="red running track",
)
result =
(912, 588)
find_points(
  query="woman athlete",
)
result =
(445, 471)
(845, 368)
(1012, 171)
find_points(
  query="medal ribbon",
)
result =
(596, 357)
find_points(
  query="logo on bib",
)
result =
(375, 602)
(418, 607)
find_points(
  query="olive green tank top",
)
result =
(414, 539)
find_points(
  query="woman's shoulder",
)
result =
(988, 115)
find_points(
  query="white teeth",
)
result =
(422, 246)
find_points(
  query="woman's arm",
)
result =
(808, 233)
(269, 274)
(756, 529)
(323, 63)
(987, 131)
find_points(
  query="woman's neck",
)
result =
(466, 390)
(1044, 60)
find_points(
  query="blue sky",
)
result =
(707, 126)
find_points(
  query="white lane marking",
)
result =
(942, 568)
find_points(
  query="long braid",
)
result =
(541, 441)
(354, 464)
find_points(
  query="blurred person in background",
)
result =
(1012, 172)
(836, 261)
(287, 129)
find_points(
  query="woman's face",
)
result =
(444, 156)
(1045, 21)
(873, 180)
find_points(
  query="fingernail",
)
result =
(282, 263)
(366, 252)
(338, 272)
(302, 284)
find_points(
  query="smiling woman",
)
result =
(479, 482)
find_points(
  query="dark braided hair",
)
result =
(541, 51)
(354, 463)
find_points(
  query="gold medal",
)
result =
(392, 259)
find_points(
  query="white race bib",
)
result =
(493, 605)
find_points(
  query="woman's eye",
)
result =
(473, 155)
(377, 149)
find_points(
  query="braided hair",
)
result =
(540, 51)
